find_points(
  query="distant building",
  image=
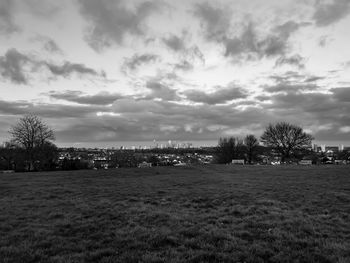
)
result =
(144, 165)
(100, 162)
(317, 148)
(334, 149)
(305, 162)
(238, 161)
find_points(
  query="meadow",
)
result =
(214, 213)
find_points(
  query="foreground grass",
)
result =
(191, 214)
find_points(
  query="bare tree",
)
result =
(251, 143)
(31, 134)
(286, 138)
(8, 154)
(229, 149)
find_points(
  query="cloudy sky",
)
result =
(121, 70)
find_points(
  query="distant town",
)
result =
(175, 153)
(182, 154)
(31, 148)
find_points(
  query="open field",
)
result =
(176, 214)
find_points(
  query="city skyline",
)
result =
(109, 71)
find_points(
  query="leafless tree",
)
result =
(229, 149)
(251, 144)
(286, 138)
(31, 134)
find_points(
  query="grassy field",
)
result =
(177, 214)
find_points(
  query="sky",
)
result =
(100, 72)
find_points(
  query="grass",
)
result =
(177, 214)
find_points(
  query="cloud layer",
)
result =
(175, 70)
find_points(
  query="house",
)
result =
(305, 162)
(180, 164)
(275, 162)
(144, 165)
(100, 162)
(238, 161)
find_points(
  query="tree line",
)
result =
(31, 146)
(284, 139)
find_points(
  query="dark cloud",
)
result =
(215, 21)
(184, 66)
(295, 78)
(216, 25)
(263, 97)
(221, 95)
(246, 43)
(341, 94)
(313, 78)
(288, 77)
(51, 46)
(324, 114)
(289, 27)
(111, 20)
(320, 106)
(68, 68)
(277, 42)
(102, 98)
(188, 55)
(160, 91)
(165, 120)
(295, 60)
(273, 46)
(329, 12)
(14, 108)
(7, 23)
(12, 66)
(292, 82)
(173, 42)
(57, 111)
(138, 60)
